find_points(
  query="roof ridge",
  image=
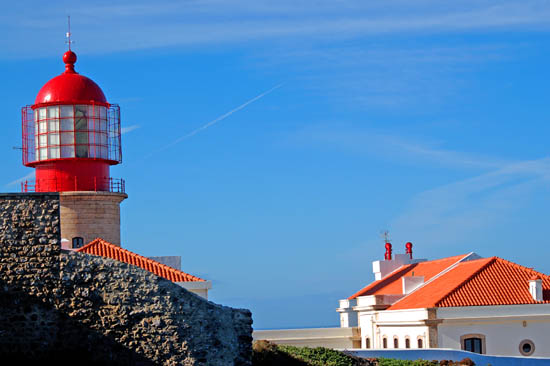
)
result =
(372, 285)
(468, 279)
(523, 267)
(147, 260)
(446, 258)
(452, 266)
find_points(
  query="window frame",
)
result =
(479, 336)
(529, 342)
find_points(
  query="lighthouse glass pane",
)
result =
(67, 151)
(43, 154)
(53, 112)
(43, 126)
(67, 124)
(54, 139)
(54, 152)
(43, 140)
(67, 138)
(103, 139)
(67, 111)
(93, 124)
(81, 131)
(41, 113)
(54, 125)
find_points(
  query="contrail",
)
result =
(28, 176)
(213, 122)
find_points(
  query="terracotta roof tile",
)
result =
(480, 282)
(392, 285)
(103, 248)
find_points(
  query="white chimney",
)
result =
(535, 288)
(411, 283)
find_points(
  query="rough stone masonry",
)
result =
(74, 308)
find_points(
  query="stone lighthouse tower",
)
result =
(71, 136)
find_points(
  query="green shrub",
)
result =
(270, 354)
(319, 356)
(394, 362)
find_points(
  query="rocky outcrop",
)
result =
(59, 305)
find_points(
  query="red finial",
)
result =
(387, 256)
(69, 58)
(409, 249)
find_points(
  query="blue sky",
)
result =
(425, 118)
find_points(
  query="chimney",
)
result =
(535, 287)
(387, 256)
(409, 249)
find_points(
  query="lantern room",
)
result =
(71, 135)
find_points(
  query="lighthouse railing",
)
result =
(94, 184)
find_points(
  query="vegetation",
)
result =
(269, 354)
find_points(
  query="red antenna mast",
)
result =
(387, 244)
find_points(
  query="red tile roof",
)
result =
(480, 282)
(103, 248)
(392, 283)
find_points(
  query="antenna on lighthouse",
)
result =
(385, 234)
(68, 34)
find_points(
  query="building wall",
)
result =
(64, 306)
(504, 327)
(91, 215)
(399, 324)
(341, 338)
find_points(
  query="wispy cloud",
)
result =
(402, 149)
(456, 211)
(130, 128)
(141, 24)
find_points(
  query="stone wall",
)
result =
(74, 308)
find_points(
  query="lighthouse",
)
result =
(71, 137)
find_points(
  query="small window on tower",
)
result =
(78, 242)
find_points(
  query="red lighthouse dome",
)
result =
(70, 87)
(71, 135)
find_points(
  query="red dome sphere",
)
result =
(70, 87)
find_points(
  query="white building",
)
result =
(484, 305)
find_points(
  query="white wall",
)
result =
(400, 323)
(502, 326)
(311, 337)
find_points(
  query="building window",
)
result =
(473, 343)
(420, 343)
(526, 347)
(395, 342)
(407, 343)
(367, 342)
(384, 342)
(78, 242)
